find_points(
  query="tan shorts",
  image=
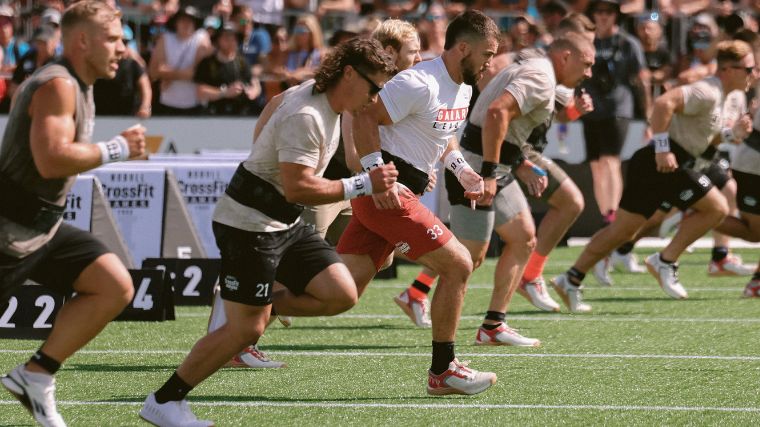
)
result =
(329, 220)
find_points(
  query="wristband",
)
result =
(661, 142)
(727, 135)
(534, 167)
(488, 169)
(456, 163)
(356, 186)
(371, 161)
(115, 150)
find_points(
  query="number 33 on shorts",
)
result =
(435, 231)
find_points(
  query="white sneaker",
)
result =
(504, 335)
(667, 275)
(286, 321)
(170, 414)
(535, 291)
(36, 392)
(572, 295)
(417, 310)
(601, 272)
(252, 357)
(731, 265)
(628, 263)
(459, 379)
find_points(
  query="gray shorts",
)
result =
(477, 225)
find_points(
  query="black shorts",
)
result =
(718, 172)
(646, 189)
(55, 265)
(252, 262)
(604, 137)
(747, 192)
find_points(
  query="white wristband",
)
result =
(727, 135)
(115, 150)
(456, 163)
(371, 161)
(356, 186)
(661, 142)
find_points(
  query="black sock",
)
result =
(666, 261)
(443, 354)
(45, 362)
(421, 286)
(756, 276)
(719, 253)
(174, 389)
(496, 316)
(625, 248)
(490, 327)
(576, 277)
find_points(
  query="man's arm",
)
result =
(500, 113)
(53, 128)
(301, 186)
(671, 102)
(366, 131)
(146, 96)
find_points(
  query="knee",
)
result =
(460, 267)
(342, 301)
(126, 292)
(720, 208)
(246, 332)
(577, 203)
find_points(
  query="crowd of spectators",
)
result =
(229, 57)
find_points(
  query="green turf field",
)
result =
(640, 359)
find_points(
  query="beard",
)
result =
(470, 76)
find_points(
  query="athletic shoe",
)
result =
(170, 414)
(417, 310)
(752, 290)
(504, 335)
(670, 224)
(459, 379)
(535, 291)
(729, 266)
(601, 272)
(286, 321)
(252, 357)
(628, 263)
(667, 275)
(38, 396)
(572, 295)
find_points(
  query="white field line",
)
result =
(659, 242)
(439, 406)
(654, 287)
(539, 318)
(427, 355)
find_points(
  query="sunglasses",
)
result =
(748, 70)
(374, 89)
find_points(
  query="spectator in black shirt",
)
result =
(656, 53)
(127, 94)
(225, 83)
(44, 42)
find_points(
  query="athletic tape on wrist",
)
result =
(371, 161)
(456, 163)
(661, 142)
(534, 167)
(115, 150)
(356, 186)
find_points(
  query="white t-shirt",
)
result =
(427, 107)
(702, 115)
(533, 85)
(746, 159)
(302, 130)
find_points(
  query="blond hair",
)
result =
(732, 51)
(87, 11)
(394, 32)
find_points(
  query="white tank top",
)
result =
(180, 54)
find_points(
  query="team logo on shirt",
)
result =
(449, 119)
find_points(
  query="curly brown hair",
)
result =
(365, 54)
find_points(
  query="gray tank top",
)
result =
(15, 153)
(16, 161)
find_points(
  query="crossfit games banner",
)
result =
(79, 203)
(201, 186)
(136, 197)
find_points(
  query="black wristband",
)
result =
(488, 169)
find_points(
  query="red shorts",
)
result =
(413, 230)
